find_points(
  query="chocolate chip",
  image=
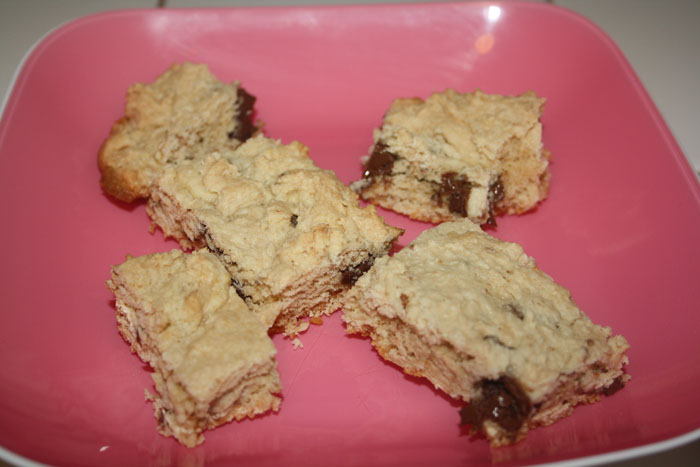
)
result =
(454, 191)
(496, 192)
(495, 196)
(404, 300)
(616, 385)
(501, 400)
(244, 128)
(293, 220)
(380, 162)
(352, 273)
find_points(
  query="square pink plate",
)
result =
(620, 229)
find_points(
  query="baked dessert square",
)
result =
(212, 359)
(185, 113)
(293, 237)
(476, 317)
(457, 155)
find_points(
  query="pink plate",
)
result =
(621, 229)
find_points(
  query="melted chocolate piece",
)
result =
(454, 191)
(404, 300)
(351, 274)
(616, 385)
(244, 118)
(502, 401)
(380, 162)
(495, 196)
(293, 220)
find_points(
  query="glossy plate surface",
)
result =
(621, 229)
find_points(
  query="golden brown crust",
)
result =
(185, 113)
(115, 181)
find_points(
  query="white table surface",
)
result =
(661, 39)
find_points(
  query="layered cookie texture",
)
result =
(457, 155)
(212, 359)
(184, 114)
(476, 317)
(292, 236)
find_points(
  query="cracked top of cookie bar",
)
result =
(275, 214)
(451, 130)
(456, 285)
(187, 315)
(185, 113)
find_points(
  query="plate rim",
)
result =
(690, 174)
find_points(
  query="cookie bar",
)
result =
(475, 316)
(292, 236)
(212, 358)
(458, 155)
(184, 114)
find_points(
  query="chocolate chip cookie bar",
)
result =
(458, 155)
(212, 359)
(477, 318)
(183, 114)
(292, 236)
